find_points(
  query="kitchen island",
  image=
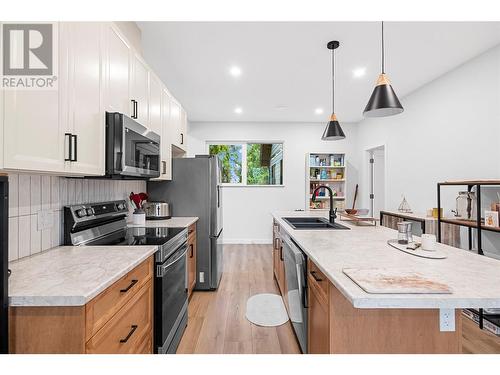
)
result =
(361, 322)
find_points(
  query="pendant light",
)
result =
(383, 101)
(333, 131)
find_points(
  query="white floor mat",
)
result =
(266, 310)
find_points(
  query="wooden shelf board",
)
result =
(328, 180)
(469, 224)
(471, 182)
(327, 166)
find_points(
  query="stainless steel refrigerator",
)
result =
(195, 190)
(4, 258)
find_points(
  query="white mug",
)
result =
(429, 242)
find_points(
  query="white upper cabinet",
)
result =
(118, 72)
(139, 91)
(175, 124)
(85, 92)
(33, 134)
(155, 107)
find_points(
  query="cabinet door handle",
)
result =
(164, 163)
(192, 250)
(132, 283)
(134, 109)
(74, 141)
(70, 147)
(132, 330)
(182, 138)
(315, 276)
(281, 253)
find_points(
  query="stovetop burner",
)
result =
(137, 236)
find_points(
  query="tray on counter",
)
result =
(418, 252)
(358, 220)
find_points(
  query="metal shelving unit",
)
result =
(476, 224)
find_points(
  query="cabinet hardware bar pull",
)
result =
(315, 277)
(74, 138)
(128, 287)
(70, 148)
(136, 109)
(182, 138)
(192, 250)
(281, 253)
(133, 328)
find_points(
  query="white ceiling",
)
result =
(288, 64)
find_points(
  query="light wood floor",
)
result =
(476, 341)
(216, 321)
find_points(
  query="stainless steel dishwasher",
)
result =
(296, 289)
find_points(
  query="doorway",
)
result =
(376, 170)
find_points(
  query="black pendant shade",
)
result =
(384, 101)
(333, 131)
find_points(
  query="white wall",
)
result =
(450, 130)
(247, 210)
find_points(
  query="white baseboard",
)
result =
(231, 241)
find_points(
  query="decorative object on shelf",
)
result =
(404, 206)
(384, 101)
(465, 205)
(333, 130)
(491, 218)
(428, 242)
(436, 213)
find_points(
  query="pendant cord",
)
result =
(383, 50)
(333, 81)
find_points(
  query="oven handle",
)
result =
(161, 270)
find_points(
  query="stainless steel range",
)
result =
(104, 224)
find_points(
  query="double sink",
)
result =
(312, 223)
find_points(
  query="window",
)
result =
(251, 164)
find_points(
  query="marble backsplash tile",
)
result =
(31, 194)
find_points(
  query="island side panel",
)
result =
(374, 331)
(47, 330)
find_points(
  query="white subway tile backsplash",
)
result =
(13, 195)
(24, 236)
(24, 205)
(36, 235)
(46, 195)
(36, 194)
(32, 193)
(13, 238)
(54, 192)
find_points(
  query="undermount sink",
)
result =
(312, 223)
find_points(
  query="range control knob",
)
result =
(82, 212)
(90, 211)
(121, 206)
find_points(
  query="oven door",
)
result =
(171, 298)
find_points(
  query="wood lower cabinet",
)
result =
(118, 320)
(191, 261)
(278, 260)
(318, 318)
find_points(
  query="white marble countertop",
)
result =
(474, 279)
(173, 222)
(71, 275)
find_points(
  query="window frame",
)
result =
(244, 169)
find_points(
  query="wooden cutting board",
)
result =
(395, 281)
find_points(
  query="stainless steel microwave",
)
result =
(132, 150)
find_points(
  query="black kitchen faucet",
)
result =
(333, 213)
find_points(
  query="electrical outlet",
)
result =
(202, 277)
(446, 320)
(44, 220)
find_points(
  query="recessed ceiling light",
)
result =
(359, 72)
(281, 107)
(235, 71)
(238, 110)
(318, 111)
